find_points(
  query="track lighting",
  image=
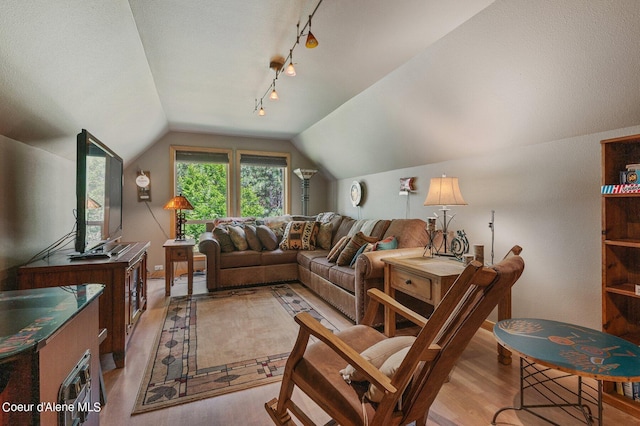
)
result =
(277, 63)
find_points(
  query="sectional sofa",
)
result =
(243, 251)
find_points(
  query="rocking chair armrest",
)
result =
(346, 352)
(389, 302)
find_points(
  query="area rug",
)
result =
(215, 343)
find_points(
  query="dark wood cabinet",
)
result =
(124, 298)
(620, 253)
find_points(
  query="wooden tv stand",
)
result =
(125, 294)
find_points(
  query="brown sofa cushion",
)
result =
(343, 229)
(252, 238)
(267, 237)
(237, 259)
(409, 232)
(222, 235)
(350, 250)
(279, 257)
(343, 277)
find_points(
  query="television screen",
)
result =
(99, 180)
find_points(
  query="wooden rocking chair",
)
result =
(409, 393)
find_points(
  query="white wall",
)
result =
(38, 199)
(139, 221)
(546, 199)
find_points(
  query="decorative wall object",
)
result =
(143, 182)
(407, 184)
(355, 194)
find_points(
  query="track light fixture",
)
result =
(277, 63)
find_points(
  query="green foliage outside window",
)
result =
(262, 191)
(205, 186)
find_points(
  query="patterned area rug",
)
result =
(215, 343)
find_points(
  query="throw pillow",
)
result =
(252, 238)
(388, 243)
(267, 237)
(352, 248)
(337, 249)
(300, 235)
(238, 237)
(222, 235)
(364, 249)
(388, 368)
(377, 355)
(325, 233)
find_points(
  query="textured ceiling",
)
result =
(392, 83)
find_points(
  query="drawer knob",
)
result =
(408, 282)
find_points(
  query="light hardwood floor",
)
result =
(479, 386)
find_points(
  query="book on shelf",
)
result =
(629, 188)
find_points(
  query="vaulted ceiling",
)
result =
(393, 83)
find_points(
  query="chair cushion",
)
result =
(377, 355)
(318, 370)
(388, 368)
(305, 257)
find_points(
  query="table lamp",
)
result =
(179, 203)
(444, 191)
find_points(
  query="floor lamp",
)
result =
(444, 191)
(305, 175)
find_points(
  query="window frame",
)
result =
(233, 177)
(287, 177)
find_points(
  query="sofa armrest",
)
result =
(370, 264)
(210, 247)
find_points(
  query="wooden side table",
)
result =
(428, 279)
(178, 251)
(424, 278)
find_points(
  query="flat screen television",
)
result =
(99, 183)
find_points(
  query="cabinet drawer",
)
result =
(179, 254)
(418, 287)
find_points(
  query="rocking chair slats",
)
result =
(314, 368)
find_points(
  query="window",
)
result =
(202, 176)
(207, 178)
(264, 185)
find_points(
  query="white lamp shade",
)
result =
(444, 191)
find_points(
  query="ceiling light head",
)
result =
(276, 63)
(290, 71)
(311, 41)
(274, 95)
(261, 111)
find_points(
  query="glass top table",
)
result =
(572, 349)
(28, 318)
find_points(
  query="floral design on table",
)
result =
(579, 347)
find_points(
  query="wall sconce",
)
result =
(305, 175)
(445, 191)
(143, 182)
(179, 203)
